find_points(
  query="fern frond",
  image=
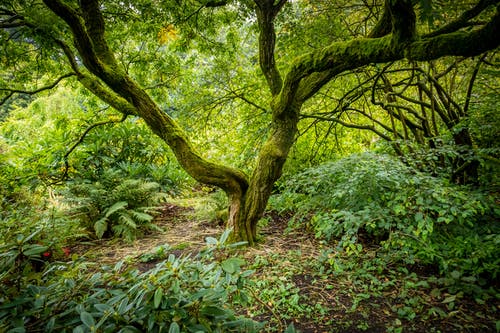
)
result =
(101, 226)
(140, 216)
(116, 207)
(127, 220)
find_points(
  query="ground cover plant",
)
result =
(180, 294)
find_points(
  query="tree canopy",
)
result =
(135, 56)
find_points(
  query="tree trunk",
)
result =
(247, 208)
(465, 166)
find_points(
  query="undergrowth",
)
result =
(375, 199)
(180, 294)
(115, 206)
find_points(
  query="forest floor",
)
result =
(300, 280)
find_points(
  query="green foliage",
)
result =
(115, 206)
(20, 260)
(178, 295)
(368, 197)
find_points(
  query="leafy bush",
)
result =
(379, 198)
(178, 295)
(115, 206)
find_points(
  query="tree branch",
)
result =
(462, 21)
(471, 85)
(350, 125)
(467, 44)
(101, 64)
(36, 91)
(266, 13)
(343, 56)
(80, 140)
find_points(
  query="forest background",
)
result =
(368, 127)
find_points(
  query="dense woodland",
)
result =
(249, 166)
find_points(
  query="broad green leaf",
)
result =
(87, 319)
(34, 249)
(158, 297)
(213, 311)
(174, 328)
(232, 265)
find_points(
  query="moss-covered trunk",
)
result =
(247, 208)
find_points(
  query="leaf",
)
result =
(140, 216)
(290, 328)
(211, 240)
(17, 330)
(127, 220)
(129, 329)
(115, 207)
(225, 235)
(213, 311)
(34, 249)
(50, 325)
(79, 329)
(449, 299)
(87, 319)
(158, 297)
(102, 307)
(174, 328)
(168, 33)
(232, 265)
(100, 227)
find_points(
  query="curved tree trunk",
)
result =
(305, 77)
(268, 170)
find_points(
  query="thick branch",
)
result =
(98, 60)
(343, 56)
(466, 44)
(94, 22)
(266, 12)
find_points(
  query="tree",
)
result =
(417, 107)
(79, 33)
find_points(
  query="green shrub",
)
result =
(379, 198)
(178, 295)
(115, 206)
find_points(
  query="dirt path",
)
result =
(182, 233)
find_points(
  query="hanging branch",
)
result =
(463, 20)
(350, 125)
(11, 92)
(471, 84)
(80, 140)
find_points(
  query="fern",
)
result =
(101, 226)
(114, 206)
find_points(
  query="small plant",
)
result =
(21, 260)
(116, 207)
